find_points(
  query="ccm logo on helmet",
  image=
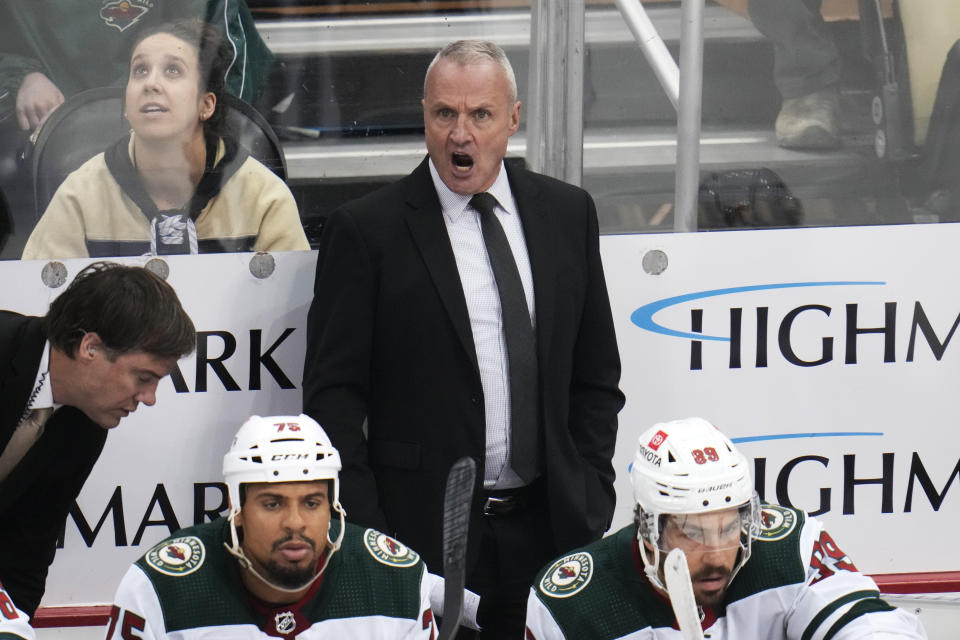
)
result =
(650, 456)
(290, 456)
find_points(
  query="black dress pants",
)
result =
(513, 549)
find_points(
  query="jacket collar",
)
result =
(22, 343)
(424, 218)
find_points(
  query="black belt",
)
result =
(502, 502)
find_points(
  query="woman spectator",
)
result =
(178, 183)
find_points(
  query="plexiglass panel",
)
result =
(815, 112)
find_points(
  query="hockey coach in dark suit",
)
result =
(65, 379)
(446, 323)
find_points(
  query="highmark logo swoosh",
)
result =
(791, 436)
(643, 316)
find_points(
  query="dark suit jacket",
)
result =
(389, 341)
(37, 495)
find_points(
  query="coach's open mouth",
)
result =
(462, 161)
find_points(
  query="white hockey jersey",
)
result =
(14, 624)
(188, 588)
(797, 585)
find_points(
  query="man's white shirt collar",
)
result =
(42, 396)
(455, 204)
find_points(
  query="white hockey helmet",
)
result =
(281, 449)
(689, 467)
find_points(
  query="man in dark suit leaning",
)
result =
(65, 379)
(460, 326)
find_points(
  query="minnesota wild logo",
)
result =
(568, 575)
(388, 551)
(776, 523)
(178, 556)
(123, 14)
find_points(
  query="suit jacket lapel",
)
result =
(425, 220)
(21, 347)
(539, 233)
(22, 342)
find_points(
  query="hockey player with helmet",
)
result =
(14, 624)
(757, 570)
(277, 565)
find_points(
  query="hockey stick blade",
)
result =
(680, 589)
(457, 499)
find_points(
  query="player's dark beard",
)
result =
(291, 577)
(714, 597)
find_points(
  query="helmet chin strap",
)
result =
(650, 568)
(236, 551)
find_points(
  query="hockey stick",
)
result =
(680, 589)
(456, 521)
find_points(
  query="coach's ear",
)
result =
(88, 347)
(515, 118)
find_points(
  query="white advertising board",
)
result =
(827, 354)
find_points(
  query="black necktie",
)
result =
(521, 341)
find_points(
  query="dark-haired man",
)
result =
(66, 378)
